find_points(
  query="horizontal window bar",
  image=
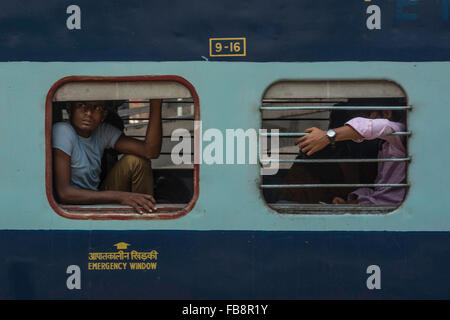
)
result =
(301, 134)
(137, 124)
(336, 108)
(140, 136)
(304, 100)
(164, 119)
(133, 111)
(184, 153)
(336, 160)
(343, 185)
(165, 100)
(298, 208)
(118, 207)
(176, 100)
(266, 151)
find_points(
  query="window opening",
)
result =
(308, 184)
(128, 104)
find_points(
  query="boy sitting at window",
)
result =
(378, 125)
(78, 148)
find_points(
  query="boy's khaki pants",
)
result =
(131, 174)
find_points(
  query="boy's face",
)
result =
(87, 116)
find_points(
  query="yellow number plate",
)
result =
(227, 47)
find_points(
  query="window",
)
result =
(369, 179)
(127, 100)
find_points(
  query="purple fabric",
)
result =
(388, 172)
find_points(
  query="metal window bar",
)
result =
(329, 108)
(294, 119)
(337, 185)
(300, 134)
(304, 100)
(326, 208)
(125, 114)
(295, 207)
(165, 100)
(134, 111)
(144, 123)
(143, 136)
(336, 160)
(182, 118)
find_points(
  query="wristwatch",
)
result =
(331, 135)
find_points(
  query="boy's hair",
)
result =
(69, 105)
(109, 105)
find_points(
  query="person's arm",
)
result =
(316, 140)
(70, 195)
(339, 200)
(151, 147)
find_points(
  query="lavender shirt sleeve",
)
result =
(389, 172)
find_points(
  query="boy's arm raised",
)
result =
(151, 147)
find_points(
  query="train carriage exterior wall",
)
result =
(229, 244)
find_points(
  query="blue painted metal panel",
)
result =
(233, 89)
(229, 265)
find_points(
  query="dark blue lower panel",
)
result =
(228, 265)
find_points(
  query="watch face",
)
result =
(331, 133)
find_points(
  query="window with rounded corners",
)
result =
(368, 175)
(176, 187)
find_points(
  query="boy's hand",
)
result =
(315, 141)
(140, 202)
